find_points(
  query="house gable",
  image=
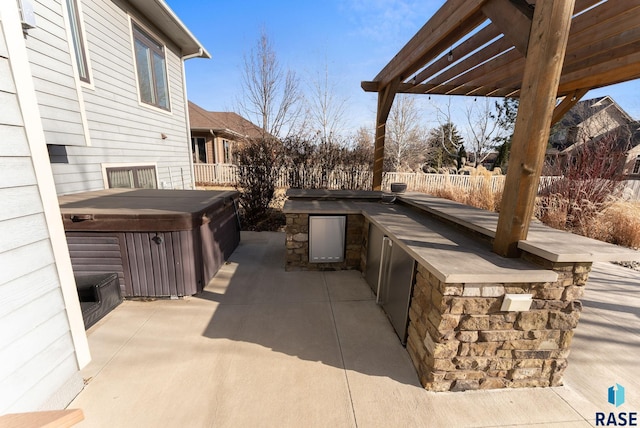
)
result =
(586, 121)
(107, 121)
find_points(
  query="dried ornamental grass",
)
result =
(624, 222)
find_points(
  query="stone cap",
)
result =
(551, 244)
(448, 253)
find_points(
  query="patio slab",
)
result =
(264, 347)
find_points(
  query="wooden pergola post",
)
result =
(385, 101)
(543, 66)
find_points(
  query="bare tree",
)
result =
(482, 129)
(325, 108)
(406, 138)
(270, 96)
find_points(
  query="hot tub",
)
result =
(161, 243)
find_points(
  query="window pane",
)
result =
(145, 77)
(146, 178)
(119, 178)
(78, 43)
(152, 73)
(227, 154)
(198, 148)
(161, 81)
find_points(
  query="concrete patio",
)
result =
(265, 347)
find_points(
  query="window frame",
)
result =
(133, 167)
(636, 166)
(154, 47)
(77, 41)
(226, 151)
(195, 149)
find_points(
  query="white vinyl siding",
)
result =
(54, 77)
(121, 129)
(36, 345)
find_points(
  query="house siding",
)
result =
(601, 123)
(120, 128)
(53, 76)
(39, 367)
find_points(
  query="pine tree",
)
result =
(444, 143)
(506, 116)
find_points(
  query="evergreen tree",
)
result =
(444, 143)
(507, 112)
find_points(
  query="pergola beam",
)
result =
(512, 55)
(453, 20)
(543, 66)
(483, 36)
(514, 21)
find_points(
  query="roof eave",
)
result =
(168, 22)
(225, 131)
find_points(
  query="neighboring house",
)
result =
(591, 122)
(631, 169)
(89, 86)
(215, 135)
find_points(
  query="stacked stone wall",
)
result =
(459, 339)
(297, 243)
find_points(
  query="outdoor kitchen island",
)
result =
(471, 319)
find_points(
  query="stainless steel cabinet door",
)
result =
(395, 288)
(327, 238)
(374, 252)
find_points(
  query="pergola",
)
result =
(548, 53)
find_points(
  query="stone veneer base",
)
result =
(458, 338)
(297, 231)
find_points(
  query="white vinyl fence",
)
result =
(632, 189)
(427, 183)
(339, 178)
(361, 178)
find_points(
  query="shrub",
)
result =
(589, 184)
(623, 220)
(257, 181)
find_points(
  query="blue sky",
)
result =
(354, 38)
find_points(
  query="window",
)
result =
(78, 42)
(199, 150)
(152, 72)
(132, 177)
(636, 166)
(227, 151)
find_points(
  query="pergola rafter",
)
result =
(515, 48)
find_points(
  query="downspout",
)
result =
(186, 114)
